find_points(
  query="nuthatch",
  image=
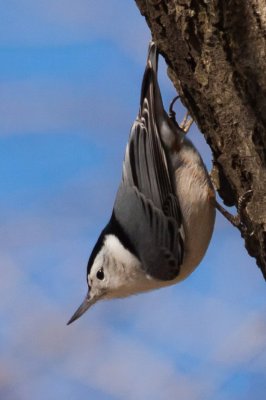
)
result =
(164, 211)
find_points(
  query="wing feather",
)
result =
(155, 237)
(146, 205)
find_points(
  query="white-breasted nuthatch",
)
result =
(164, 211)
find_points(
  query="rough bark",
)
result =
(216, 54)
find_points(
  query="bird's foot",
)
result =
(186, 123)
(236, 220)
(171, 112)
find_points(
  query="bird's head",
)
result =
(112, 272)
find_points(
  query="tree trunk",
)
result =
(215, 51)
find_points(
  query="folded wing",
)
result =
(146, 205)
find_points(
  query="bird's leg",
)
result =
(234, 219)
(186, 123)
(171, 112)
(242, 203)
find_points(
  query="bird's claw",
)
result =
(243, 201)
(186, 123)
(237, 220)
(171, 112)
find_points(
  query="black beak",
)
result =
(87, 303)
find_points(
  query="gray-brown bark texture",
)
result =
(216, 53)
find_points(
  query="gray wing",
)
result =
(146, 165)
(146, 206)
(155, 237)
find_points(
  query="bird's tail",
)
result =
(150, 92)
(150, 89)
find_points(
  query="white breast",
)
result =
(196, 198)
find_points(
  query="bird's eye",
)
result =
(100, 274)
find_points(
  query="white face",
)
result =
(116, 272)
(98, 277)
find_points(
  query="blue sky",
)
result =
(70, 75)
